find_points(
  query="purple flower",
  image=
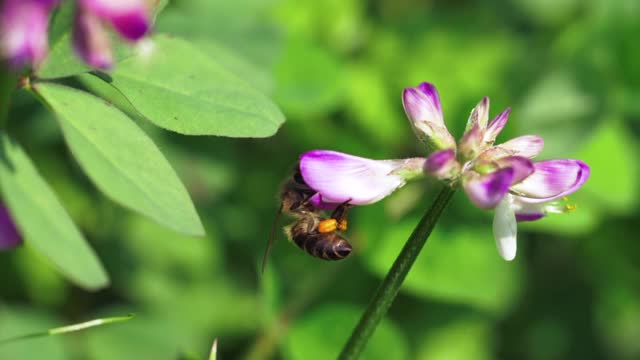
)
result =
(494, 176)
(9, 236)
(502, 177)
(23, 31)
(130, 18)
(338, 177)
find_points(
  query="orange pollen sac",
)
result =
(327, 225)
(342, 225)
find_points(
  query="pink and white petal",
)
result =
(339, 177)
(479, 115)
(522, 167)
(486, 191)
(552, 179)
(471, 143)
(130, 18)
(527, 145)
(442, 164)
(505, 229)
(496, 126)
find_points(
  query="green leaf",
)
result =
(179, 88)
(309, 80)
(611, 154)
(61, 60)
(321, 334)
(149, 336)
(121, 160)
(461, 339)
(43, 221)
(19, 320)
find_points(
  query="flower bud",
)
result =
(422, 106)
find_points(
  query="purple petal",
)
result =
(132, 26)
(496, 126)
(529, 217)
(129, 17)
(339, 177)
(318, 202)
(91, 41)
(422, 103)
(9, 236)
(442, 164)
(526, 211)
(552, 179)
(23, 32)
(486, 191)
(505, 229)
(522, 167)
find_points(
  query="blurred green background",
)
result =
(569, 69)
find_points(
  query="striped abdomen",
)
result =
(327, 246)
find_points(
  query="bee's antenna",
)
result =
(272, 237)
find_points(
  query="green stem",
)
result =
(389, 288)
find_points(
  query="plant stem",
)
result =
(389, 288)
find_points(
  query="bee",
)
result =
(311, 232)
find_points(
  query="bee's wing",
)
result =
(272, 238)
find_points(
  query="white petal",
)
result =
(505, 229)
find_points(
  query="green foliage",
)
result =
(336, 69)
(121, 160)
(462, 339)
(15, 321)
(321, 334)
(309, 80)
(459, 266)
(179, 88)
(43, 221)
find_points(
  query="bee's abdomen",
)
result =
(324, 246)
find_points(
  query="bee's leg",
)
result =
(302, 202)
(340, 213)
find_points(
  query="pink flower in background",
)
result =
(130, 18)
(9, 235)
(501, 177)
(23, 31)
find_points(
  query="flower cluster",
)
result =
(501, 177)
(24, 29)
